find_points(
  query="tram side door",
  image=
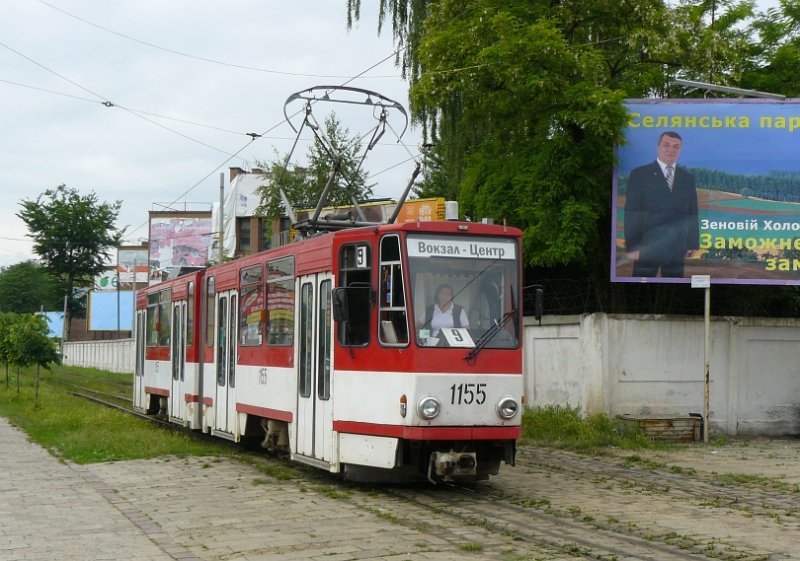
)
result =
(138, 378)
(314, 371)
(178, 353)
(225, 361)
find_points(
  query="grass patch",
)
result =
(84, 432)
(563, 427)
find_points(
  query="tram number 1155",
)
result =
(467, 394)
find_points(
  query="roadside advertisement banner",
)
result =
(133, 266)
(110, 311)
(177, 239)
(708, 187)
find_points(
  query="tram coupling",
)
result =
(445, 466)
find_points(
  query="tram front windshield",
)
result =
(464, 290)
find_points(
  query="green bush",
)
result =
(563, 427)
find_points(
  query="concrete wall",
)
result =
(653, 366)
(645, 366)
(114, 355)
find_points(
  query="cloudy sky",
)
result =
(177, 120)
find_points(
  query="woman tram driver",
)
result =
(443, 313)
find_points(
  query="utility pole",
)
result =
(221, 215)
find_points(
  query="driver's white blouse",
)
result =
(445, 319)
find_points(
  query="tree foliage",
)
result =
(776, 52)
(24, 341)
(304, 185)
(73, 234)
(27, 288)
(522, 102)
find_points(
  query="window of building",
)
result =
(243, 228)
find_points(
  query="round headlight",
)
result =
(507, 408)
(428, 407)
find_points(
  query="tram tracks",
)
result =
(700, 488)
(558, 535)
(122, 404)
(514, 504)
(567, 505)
(606, 508)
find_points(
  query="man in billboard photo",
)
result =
(661, 223)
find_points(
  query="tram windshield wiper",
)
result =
(497, 326)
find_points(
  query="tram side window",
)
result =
(190, 316)
(355, 272)
(324, 341)
(152, 320)
(306, 340)
(393, 326)
(211, 300)
(280, 302)
(164, 317)
(251, 311)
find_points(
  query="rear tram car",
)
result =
(324, 349)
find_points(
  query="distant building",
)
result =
(245, 233)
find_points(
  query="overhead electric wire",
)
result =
(195, 57)
(53, 72)
(209, 174)
(109, 104)
(50, 91)
(411, 158)
(106, 102)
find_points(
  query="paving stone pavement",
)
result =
(202, 509)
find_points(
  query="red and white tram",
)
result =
(323, 349)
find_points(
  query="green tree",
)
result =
(776, 55)
(27, 288)
(73, 235)
(525, 122)
(523, 103)
(294, 182)
(31, 345)
(304, 186)
(714, 40)
(7, 319)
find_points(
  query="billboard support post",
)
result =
(707, 368)
(704, 282)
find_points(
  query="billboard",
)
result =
(132, 264)
(110, 311)
(177, 239)
(708, 187)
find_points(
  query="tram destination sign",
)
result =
(462, 248)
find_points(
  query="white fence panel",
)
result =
(115, 355)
